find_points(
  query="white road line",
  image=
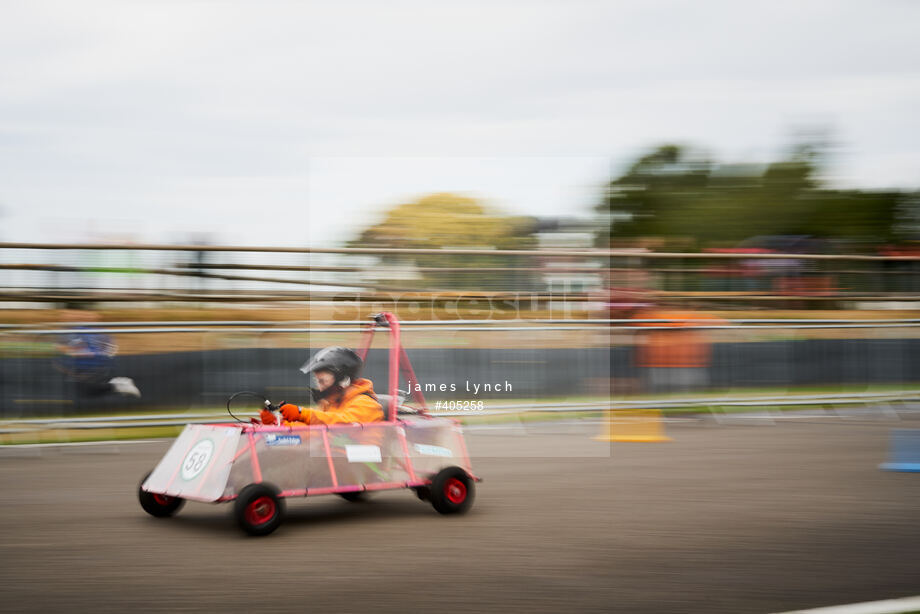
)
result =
(888, 606)
(113, 442)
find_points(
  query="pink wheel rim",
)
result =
(261, 510)
(455, 491)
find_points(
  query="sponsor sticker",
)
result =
(276, 439)
(363, 454)
(428, 450)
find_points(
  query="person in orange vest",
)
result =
(674, 354)
(340, 394)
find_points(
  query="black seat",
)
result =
(386, 401)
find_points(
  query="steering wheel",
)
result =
(248, 394)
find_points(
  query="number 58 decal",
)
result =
(197, 459)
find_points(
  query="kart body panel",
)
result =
(212, 463)
(215, 462)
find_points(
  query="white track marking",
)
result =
(113, 442)
(887, 606)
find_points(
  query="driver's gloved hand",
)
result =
(268, 417)
(290, 412)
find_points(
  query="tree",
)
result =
(675, 192)
(452, 221)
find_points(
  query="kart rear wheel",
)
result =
(155, 504)
(451, 491)
(354, 497)
(258, 509)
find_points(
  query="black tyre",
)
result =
(258, 509)
(452, 491)
(354, 497)
(161, 506)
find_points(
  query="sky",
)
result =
(300, 123)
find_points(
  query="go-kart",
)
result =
(258, 467)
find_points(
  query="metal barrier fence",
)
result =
(828, 404)
(59, 273)
(195, 366)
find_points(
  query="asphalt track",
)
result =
(723, 519)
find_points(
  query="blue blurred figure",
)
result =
(87, 357)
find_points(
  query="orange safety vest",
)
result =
(675, 347)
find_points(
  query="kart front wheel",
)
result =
(258, 509)
(156, 504)
(451, 491)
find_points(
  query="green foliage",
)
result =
(671, 192)
(452, 221)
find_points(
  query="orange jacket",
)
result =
(675, 347)
(356, 403)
